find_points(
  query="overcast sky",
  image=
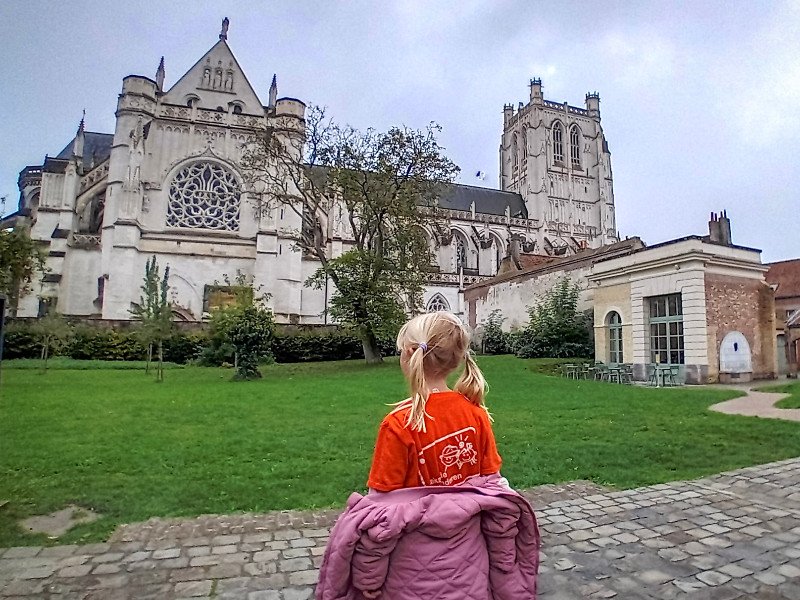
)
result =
(700, 100)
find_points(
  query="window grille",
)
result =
(575, 147)
(204, 195)
(666, 329)
(614, 338)
(437, 303)
(558, 143)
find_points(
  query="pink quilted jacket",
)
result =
(475, 541)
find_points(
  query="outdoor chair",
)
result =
(652, 375)
(627, 373)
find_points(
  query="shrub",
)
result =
(556, 328)
(495, 340)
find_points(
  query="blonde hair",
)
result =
(438, 342)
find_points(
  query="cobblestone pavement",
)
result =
(733, 535)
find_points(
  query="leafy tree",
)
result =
(378, 189)
(155, 313)
(556, 328)
(21, 259)
(251, 334)
(241, 294)
(495, 340)
(53, 333)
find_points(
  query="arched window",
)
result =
(575, 147)
(515, 153)
(204, 195)
(614, 324)
(237, 109)
(437, 303)
(558, 142)
(524, 147)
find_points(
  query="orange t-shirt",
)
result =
(458, 443)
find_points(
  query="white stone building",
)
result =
(168, 183)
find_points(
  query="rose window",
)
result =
(204, 196)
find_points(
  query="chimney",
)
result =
(713, 229)
(724, 229)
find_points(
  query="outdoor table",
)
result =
(615, 374)
(571, 371)
(660, 374)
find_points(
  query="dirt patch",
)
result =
(59, 522)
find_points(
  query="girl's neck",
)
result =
(437, 384)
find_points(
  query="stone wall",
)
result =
(745, 305)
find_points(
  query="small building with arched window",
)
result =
(699, 304)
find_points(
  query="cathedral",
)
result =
(168, 182)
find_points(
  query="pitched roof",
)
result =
(786, 275)
(94, 144)
(458, 196)
(566, 263)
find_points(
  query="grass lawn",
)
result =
(302, 437)
(792, 401)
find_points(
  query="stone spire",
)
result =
(273, 92)
(223, 34)
(160, 75)
(80, 138)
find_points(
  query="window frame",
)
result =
(558, 143)
(665, 329)
(615, 344)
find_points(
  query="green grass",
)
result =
(60, 363)
(302, 437)
(792, 401)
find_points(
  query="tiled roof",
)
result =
(786, 275)
(97, 144)
(566, 263)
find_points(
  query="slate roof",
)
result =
(786, 275)
(457, 196)
(98, 144)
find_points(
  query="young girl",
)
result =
(437, 436)
(409, 540)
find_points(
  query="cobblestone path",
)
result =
(734, 535)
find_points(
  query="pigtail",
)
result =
(472, 383)
(419, 390)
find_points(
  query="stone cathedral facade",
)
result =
(167, 182)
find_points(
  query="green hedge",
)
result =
(91, 343)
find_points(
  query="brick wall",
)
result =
(745, 305)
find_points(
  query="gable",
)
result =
(216, 80)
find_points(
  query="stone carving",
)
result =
(136, 156)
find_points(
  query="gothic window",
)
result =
(614, 322)
(575, 146)
(524, 147)
(437, 303)
(204, 195)
(515, 153)
(237, 109)
(558, 143)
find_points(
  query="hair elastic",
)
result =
(424, 346)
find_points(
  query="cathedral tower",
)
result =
(556, 157)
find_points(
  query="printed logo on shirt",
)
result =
(460, 454)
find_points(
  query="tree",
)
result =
(155, 313)
(21, 260)
(556, 328)
(238, 293)
(251, 334)
(378, 190)
(53, 333)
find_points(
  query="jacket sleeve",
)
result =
(370, 563)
